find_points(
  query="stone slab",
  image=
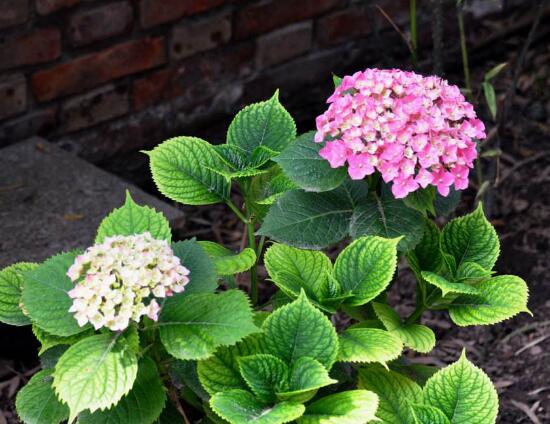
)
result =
(52, 201)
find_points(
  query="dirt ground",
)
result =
(516, 353)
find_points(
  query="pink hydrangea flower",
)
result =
(415, 130)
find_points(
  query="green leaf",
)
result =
(428, 415)
(299, 329)
(394, 390)
(471, 238)
(366, 267)
(182, 169)
(494, 71)
(422, 200)
(369, 345)
(49, 358)
(390, 218)
(336, 80)
(36, 403)
(447, 205)
(415, 336)
(45, 296)
(262, 130)
(496, 299)
(313, 220)
(417, 372)
(264, 374)
(142, 405)
(306, 377)
(11, 285)
(95, 373)
(195, 325)
(471, 271)
(276, 187)
(240, 406)
(220, 372)
(445, 285)
(294, 269)
(490, 98)
(132, 219)
(302, 163)
(227, 262)
(464, 393)
(185, 374)
(428, 251)
(47, 341)
(202, 274)
(350, 407)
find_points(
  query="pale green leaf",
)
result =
(202, 274)
(47, 341)
(306, 377)
(142, 405)
(37, 403)
(350, 407)
(46, 299)
(182, 169)
(132, 219)
(471, 272)
(262, 130)
(95, 373)
(299, 329)
(369, 345)
(394, 391)
(293, 269)
(336, 80)
(447, 286)
(494, 71)
(240, 407)
(366, 267)
(464, 393)
(390, 218)
(302, 163)
(471, 238)
(264, 374)
(195, 325)
(428, 415)
(490, 98)
(11, 285)
(227, 262)
(496, 299)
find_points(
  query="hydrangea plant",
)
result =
(139, 329)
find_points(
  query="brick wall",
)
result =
(108, 77)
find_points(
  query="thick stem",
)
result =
(236, 211)
(414, 37)
(464, 51)
(253, 270)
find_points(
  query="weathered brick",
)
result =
(156, 12)
(100, 23)
(260, 17)
(343, 25)
(95, 69)
(193, 36)
(38, 122)
(45, 7)
(13, 12)
(96, 106)
(40, 46)
(13, 95)
(195, 78)
(284, 44)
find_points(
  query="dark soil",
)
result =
(515, 353)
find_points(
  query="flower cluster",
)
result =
(414, 130)
(116, 278)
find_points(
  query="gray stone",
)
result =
(52, 201)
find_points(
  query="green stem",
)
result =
(464, 51)
(253, 270)
(414, 36)
(421, 307)
(236, 211)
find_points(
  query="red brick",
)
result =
(260, 17)
(100, 23)
(193, 36)
(156, 12)
(97, 106)
(13, 12)
(40, 46)
(13, 95)
(97, 68)
(197, 78)
(45, 7)
(343, 25)
(39, 122)
(284, 44)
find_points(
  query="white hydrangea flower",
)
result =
(118, 280)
